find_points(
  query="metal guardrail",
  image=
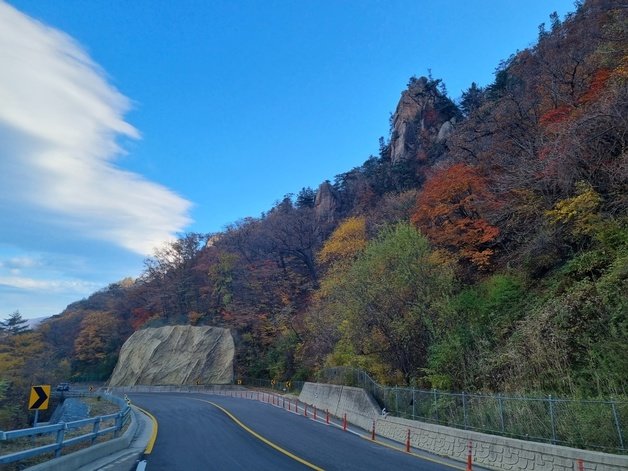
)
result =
(112, 423)
(593, 424)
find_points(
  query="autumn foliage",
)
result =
(514, 281)
(450, 211)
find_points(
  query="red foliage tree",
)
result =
(449, 211)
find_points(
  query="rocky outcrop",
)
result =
(423, 116)
(176, 355)
(327, 202)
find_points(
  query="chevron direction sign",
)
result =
(40, 395)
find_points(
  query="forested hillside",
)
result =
(484, 249)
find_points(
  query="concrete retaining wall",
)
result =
(489, 451)
(338, 400)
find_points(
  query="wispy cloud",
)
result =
(57, 286)
(59, 124)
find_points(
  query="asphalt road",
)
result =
(196, 435)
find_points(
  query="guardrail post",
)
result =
(617, 425)
(60, 435)
(118, 425)
(96, 429)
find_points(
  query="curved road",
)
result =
(196, 433)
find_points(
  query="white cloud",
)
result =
(59, 121)
(56, 286)
(19, 263)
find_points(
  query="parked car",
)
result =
(63, 387)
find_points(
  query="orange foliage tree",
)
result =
(98, 337)
(449, 211)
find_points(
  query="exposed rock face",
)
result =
(326, 204)
(175, 355)
(423, 116)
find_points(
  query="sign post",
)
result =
(39, 399)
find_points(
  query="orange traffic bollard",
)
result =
(470, 458)
(373, 431)
(344, 422)
(408, 442)
(314, 412)
(580, 465)
(327, 416)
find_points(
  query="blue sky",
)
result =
(125, 122)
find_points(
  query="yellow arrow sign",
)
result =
(40, 395)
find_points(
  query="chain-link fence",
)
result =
(595, 424)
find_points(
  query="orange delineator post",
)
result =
(289, 406)
(327, 416)
(305, 411)
(314, 412)
(344, 422)
(373, 431)
(580, 464)
(470, 458)
(408, 442)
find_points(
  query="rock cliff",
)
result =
(423, 116)
(326, 204)
(175, 355)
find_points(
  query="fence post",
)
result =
(464, 410)
(435, 404)
(551, 410)
(413, 407)
(501, 412)
(617, 425)
(397, 402)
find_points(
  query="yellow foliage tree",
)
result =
(580, 213)
(347, 241)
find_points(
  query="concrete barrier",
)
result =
(488, 451)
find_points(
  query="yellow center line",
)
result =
(263, 439)
(153, 436)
